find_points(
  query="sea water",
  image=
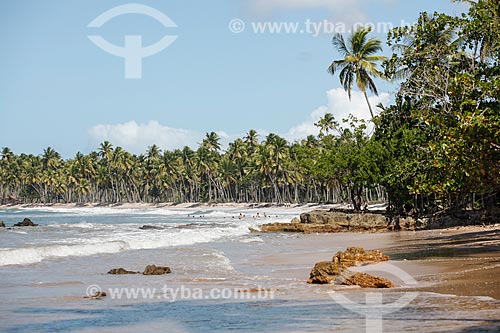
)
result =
(223, 278)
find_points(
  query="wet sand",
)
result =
(461, 261)
(465, 260)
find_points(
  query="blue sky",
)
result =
(58, 89)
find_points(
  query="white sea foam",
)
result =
(219, 212)
(222, 262)
(117, 241)
(106, 211)
(252, 240)
(30, 255)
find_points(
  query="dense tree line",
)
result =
(273, 170)
(443, 132)
(437, 147)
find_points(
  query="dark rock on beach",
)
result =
(338, 220)
(299, 228)
(357, 256)
(364, 280)
(2, 225)
(345, 220)
(337, 272)
(324, 272)
(149, 270)
(25, 223)
(324, 221)
(156, 270)
(121, 271)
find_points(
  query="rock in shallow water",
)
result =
(2, 225)
(149, 270)
(364, 280)
(151, 227)
(25, 223)
(324, 272)
(120, 271)
(156, 270)
(337, 272)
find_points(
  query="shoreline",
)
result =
(373, 207)
(462, 261)
(174, 205)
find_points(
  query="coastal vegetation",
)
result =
(437, 147)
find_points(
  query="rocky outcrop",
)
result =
(346, 220)
(337, 220)
(121, 271)
(156, 270)
(324, 221)
(364, 280)
(149, 270)
(25, 223)
(2, 225)
(299, 228)
(357, 256)
(324, 272)
(337, 272)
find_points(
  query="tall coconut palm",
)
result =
(359, 62)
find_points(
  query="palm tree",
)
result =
(359, 63)
(211, 142)
(326, 124)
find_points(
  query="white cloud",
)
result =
(340, 106)
(136, 137)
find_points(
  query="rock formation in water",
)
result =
(156, 270)
(121, 271)
(337, 272)
(149, 270)
(25, 223)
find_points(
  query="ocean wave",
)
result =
(105, 211)
(31, 255)
(118, 242)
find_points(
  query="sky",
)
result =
(222, 73)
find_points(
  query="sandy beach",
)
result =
(186, 205)
(455, 270)
(459, 260)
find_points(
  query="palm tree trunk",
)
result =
(369, 105)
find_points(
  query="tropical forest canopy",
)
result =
(437, 147)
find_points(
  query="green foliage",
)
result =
(451, 111)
